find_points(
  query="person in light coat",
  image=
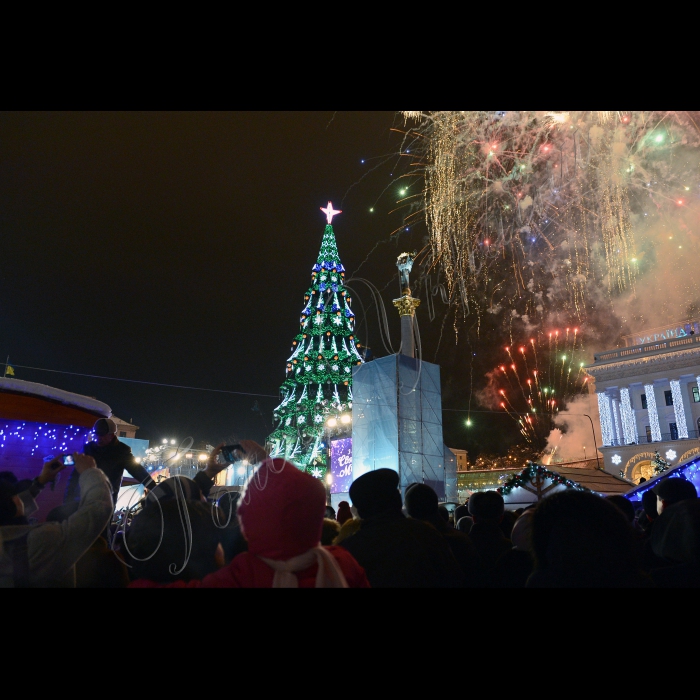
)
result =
(44, 555)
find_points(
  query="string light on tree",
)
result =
(659, 464)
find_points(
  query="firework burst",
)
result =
(535, 214)
(535, 380)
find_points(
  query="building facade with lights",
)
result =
(649, 400)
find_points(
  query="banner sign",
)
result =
(341, 465)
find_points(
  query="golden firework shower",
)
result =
(537, 216)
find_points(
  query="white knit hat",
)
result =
(105, 426)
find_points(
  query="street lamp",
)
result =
(595, 443)
(329, 482)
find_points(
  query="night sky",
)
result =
(176, 247)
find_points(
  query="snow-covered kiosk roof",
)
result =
(29, 401)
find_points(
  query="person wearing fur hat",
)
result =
(113, 457)
(281, 512)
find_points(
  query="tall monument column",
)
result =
(406, 305)
(397, 410)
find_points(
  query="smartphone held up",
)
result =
(228, 453)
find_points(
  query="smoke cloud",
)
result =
(573, 433)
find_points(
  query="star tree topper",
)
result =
(330, 212)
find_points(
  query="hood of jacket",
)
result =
(281, 510)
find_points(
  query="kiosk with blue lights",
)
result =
(690, 470)
(37, 421)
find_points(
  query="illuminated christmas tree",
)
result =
(318, 385)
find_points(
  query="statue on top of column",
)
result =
(405, 264)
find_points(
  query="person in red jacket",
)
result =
(281, 513)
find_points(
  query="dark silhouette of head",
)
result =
(580, 539)
(464, 524)
(421, 502)
(174, 487)
(673, 490)
(676, 536)
(376, 493)
(196, 532)
(486, 507)
(624, 504)
(227, 505)
(344, 513)
(460, 512)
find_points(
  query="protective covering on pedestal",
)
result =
(397, 422)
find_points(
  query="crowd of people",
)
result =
(279, 532)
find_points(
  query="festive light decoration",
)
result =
(326, 350)
(615, 407)
(671, 455)
(330, 212)
(533, 471)
(616, 459)
(653, 413)
(605, 419)
(660, 465)
(29, 438)
(690, 471)
(628, 424)
(679, 409)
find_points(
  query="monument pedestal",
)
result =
(397, 423)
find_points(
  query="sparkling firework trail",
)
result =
(535, 215)
(538, 382)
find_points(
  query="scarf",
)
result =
(329, 573)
